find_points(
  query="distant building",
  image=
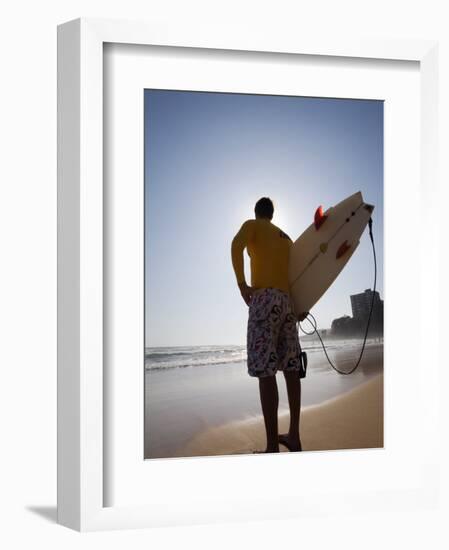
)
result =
(344, 326)
(356, 325)
(361, 304)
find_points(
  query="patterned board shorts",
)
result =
(272, 338)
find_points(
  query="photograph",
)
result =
(263, 273)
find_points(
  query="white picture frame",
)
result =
(81, 406)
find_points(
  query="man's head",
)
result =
(264, 208)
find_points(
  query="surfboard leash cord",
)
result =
(314, 323)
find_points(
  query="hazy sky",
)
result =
(208, 158)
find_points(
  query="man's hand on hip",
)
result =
(246, 292)
(303, 315)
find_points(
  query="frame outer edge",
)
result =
(430, 250)
(237, 38)
(80, 236)
(91, 275)
(68, 279)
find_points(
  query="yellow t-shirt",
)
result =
(268, 248)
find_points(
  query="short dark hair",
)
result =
(264, 208)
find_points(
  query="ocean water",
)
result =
(161, 358)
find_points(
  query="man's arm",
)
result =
(239, 243)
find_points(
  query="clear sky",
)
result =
(208, 158)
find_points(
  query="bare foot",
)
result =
(291, 443)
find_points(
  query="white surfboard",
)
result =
(321, 252)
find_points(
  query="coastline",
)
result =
(184, 404)
(353, 420)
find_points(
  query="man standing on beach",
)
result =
(272, 337)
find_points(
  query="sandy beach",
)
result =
(215, 409)
(351, 421)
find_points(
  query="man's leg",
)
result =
(292, 439)
(269, 398)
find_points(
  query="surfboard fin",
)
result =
(343, 248)
(319, 218)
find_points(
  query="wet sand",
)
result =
(210, 410)
(351, 421)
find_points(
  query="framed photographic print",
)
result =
(216, 196)
(200, 399)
